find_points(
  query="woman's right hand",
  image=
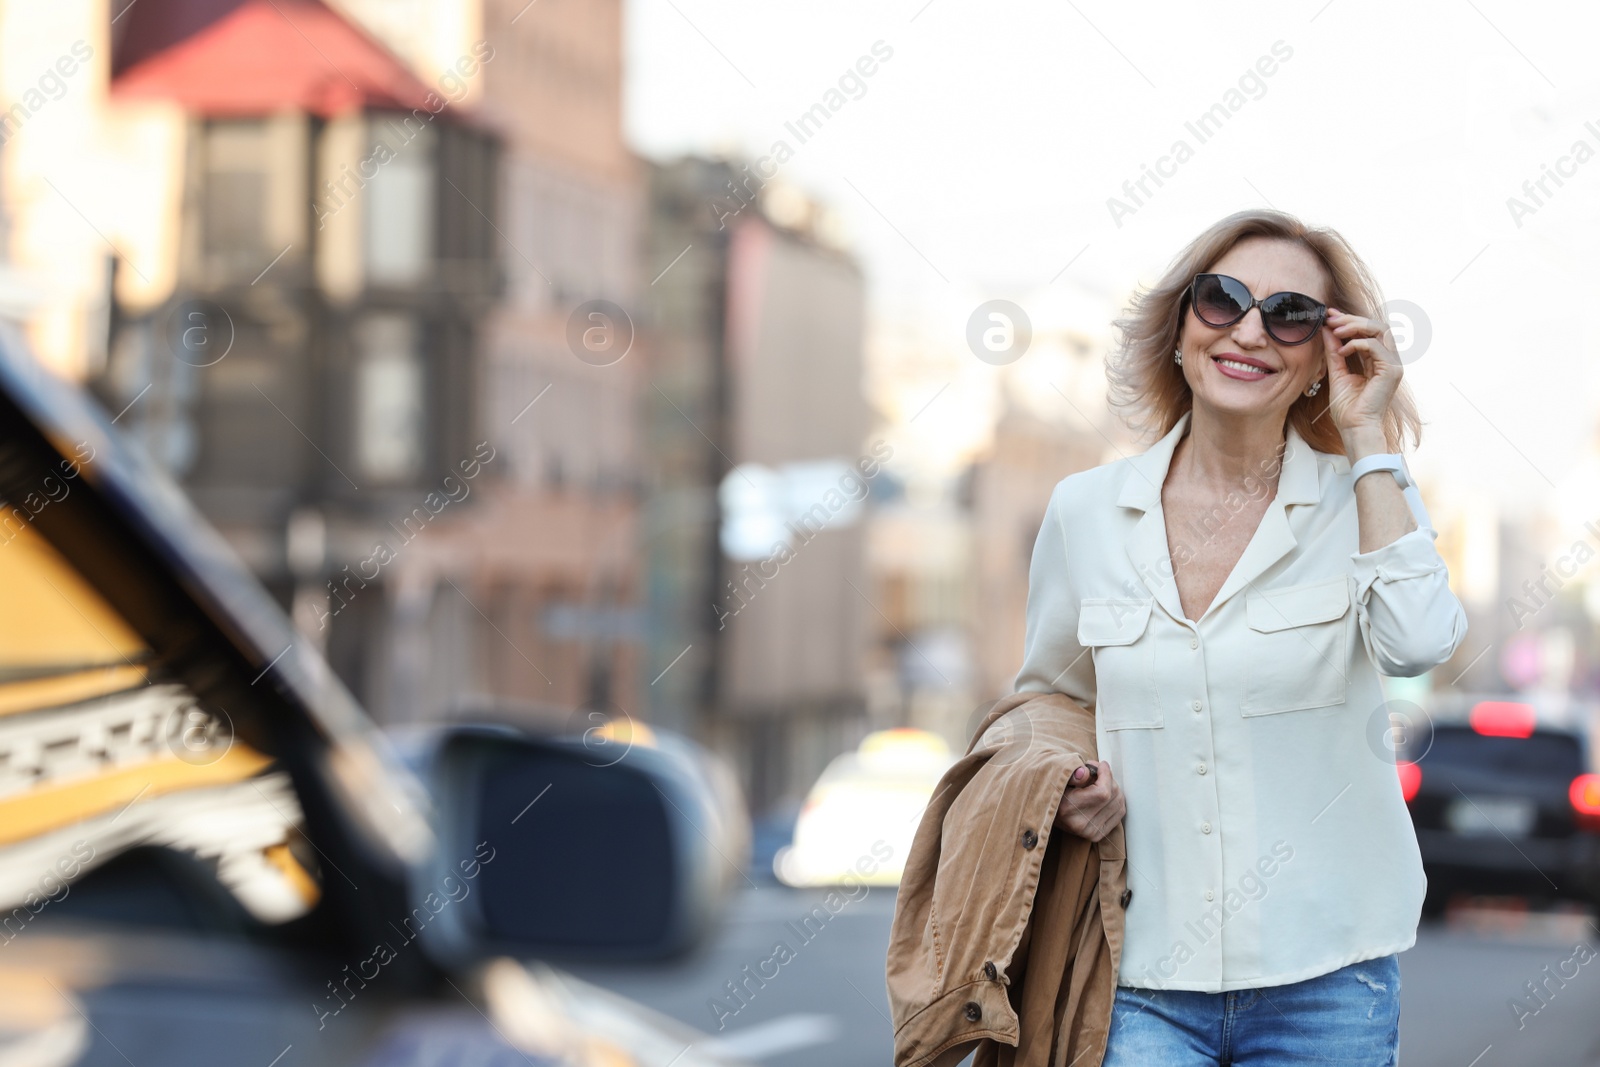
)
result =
(1091, 811)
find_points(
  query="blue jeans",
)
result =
(1350, 1017)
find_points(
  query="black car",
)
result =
(1503, 804)
(209, 854)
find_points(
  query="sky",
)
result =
(977, 161)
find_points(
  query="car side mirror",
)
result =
(550, 847)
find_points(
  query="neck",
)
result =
(1225, 449)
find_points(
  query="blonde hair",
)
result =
(1148, 389)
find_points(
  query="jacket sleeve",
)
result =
(1052, 659)
(1410, 620)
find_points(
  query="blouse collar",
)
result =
(1297, 483)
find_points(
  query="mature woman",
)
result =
(1225, 601)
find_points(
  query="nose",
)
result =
(1250, 330)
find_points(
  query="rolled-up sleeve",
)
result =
(1410, 619)
(1052, 659)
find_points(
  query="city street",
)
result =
(494, 495)
(827, 1004)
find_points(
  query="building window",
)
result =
(400, 202)
(233, 198)
(389, 399)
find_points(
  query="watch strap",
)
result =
(1396, 464)
(1382, 461)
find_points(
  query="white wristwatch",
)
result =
(1395, 464)
(1382, 461)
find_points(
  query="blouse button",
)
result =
(1210, 895)
(1195, 705)
(1205, 828)
(1194, 642)
(1201, 768)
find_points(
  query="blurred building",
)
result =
(921, 646)
(533, 602)
(505, 417)
(950, 554)
(310, 375)
(325, 261)
(758, 442)
(1009, 490)
(19, 296)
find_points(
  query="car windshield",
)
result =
(102, 753)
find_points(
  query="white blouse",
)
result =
(1267, 838)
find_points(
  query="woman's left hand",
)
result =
(1359, 401)
(1091, 809)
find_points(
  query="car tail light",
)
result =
(1503, 718)
(1411, 778)
(1585, 796)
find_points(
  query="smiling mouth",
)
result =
(1234, 368)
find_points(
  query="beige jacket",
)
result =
(971, 960)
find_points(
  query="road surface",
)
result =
(1465, 999)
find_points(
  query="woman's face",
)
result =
(1272, 375)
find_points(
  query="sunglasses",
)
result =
(1289, 318)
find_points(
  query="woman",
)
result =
(1226, 601)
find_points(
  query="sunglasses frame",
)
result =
(1255, 302)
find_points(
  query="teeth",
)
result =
(1250, 367)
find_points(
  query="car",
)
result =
(210, 853)
(858, 819)
(1503, 803)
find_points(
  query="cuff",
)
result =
(945, 1031)
(1411, 555)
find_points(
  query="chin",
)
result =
(1230, 402)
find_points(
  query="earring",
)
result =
(1177, 356)
(1315, 386)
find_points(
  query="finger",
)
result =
(1371, 346)
(1353, 325)
(1337, 319)
(1088, 809)
(1081, 825)
(1338, 371)
(1098, 826)
(1092, 795)
(1078, 814)
(1370, 349)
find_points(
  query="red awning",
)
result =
(256, 57)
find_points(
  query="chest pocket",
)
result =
(1298, 647)
(1116, 631)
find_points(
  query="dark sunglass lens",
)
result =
(1291, 317)
(1219, 300)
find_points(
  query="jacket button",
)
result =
(990, 972)
(972, 1011)
(1127, 895)
(1029, 839)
